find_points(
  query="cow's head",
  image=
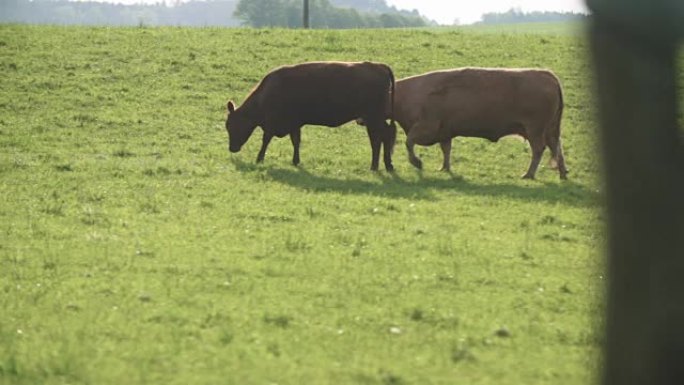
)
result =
(239, 126)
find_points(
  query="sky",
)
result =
(447, 11)
(469, 11)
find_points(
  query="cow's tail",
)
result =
(553, 139)
(392, 89)
(557, 123)
(392, 133)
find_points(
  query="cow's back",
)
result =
(479, 102)
(325, 93)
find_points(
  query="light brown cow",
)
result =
(321, 93)
(485, 103)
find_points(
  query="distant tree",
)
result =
(515, 15)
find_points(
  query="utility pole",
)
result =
(306, 14)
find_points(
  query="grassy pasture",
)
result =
(135, 249)
(567, 28)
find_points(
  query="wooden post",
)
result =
(633, 45)
(305, 17)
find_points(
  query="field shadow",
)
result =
(393, 185)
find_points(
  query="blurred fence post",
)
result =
(305, 16)
(634, 46)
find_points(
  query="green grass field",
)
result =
(134, 249)
(566, 28)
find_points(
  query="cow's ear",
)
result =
(231, 106)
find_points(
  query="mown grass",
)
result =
(135, 249)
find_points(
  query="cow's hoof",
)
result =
(528, 176)
(389, 168)
(445, 169)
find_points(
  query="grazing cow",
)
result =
(484, 103)
(320, 93)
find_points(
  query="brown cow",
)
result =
(484, 103)
(320, 93)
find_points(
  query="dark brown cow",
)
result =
(484, 103)
(320, 93)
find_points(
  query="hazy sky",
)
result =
(469, 11)
(446, 11)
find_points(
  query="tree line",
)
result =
(324, 14)
(228, 13)
(514, 15)
(233, 13)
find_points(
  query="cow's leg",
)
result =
(375, 136)
(264, 144)
(537, 145)
(296, 137)
(415, 161)
(558, 161)
(388, 139)
(446, 152)
(422, 133)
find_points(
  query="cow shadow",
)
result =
(425, 187)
